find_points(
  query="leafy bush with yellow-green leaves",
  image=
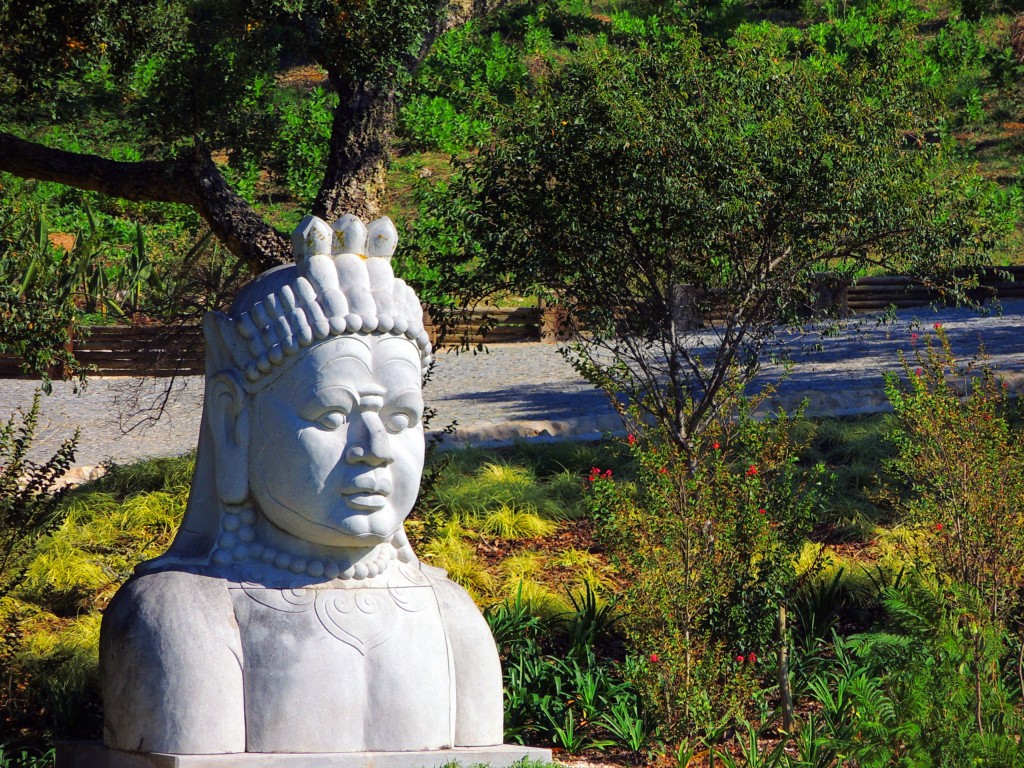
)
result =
(108, 527)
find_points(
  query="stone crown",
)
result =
(341, 283)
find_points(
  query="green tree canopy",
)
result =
(182, 82)
(742, 170)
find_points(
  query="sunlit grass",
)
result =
(497, 485)
(510, 523)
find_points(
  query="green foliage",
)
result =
(706, 544)
(105, 529)
(635, 173)
(523, 494)
(498, 485)
(959, 454)
(854, 450)
(36, 297)
(300, 144)
(929, 687)
(467, 75)
(28, 500)
(26, 758)
(433, 122)
(575, 699)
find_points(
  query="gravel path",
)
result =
(525, 389)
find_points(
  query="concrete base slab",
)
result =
(92, 754)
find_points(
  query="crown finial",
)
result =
(381, 239)
(312, 237)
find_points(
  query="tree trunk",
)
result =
(361, 137)
(785, 691)
(234, 222)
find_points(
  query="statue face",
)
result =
(337, 444)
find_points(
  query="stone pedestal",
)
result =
(92, 754)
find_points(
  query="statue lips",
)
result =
(367, 492)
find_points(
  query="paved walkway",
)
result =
(525, 389)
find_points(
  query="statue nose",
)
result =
(372, 445)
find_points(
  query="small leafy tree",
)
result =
(958, 463)
(648, 189)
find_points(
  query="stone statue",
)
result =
(290, 615)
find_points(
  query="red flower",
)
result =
(938, 526)
(752, 470)
(763, 511)
(663, 471)
(913, 337)
(752, 658)
(740, 658)
(631, 438)
(937, 326)
(716, 446)
(607, 473)
(654, 658)
(919, 372)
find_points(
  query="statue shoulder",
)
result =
(170, 661)
(478, 687)
(451, 595)
(177, 597)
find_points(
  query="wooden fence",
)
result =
(163, 351)
(876, 294)
(148, 350)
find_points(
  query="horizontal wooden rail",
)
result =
(156, 350)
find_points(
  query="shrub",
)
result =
(301, 145)
(28, 501)
(958, 462)
(706, 544)
(559, 686)
(36, 297)
(106, 529)
(433, 122)
(465, 78)
(900, 695)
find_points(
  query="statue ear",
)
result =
(227, 408)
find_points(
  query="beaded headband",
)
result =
(341, 283)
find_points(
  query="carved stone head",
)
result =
(311, 448)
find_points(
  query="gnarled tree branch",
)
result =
(191, 180)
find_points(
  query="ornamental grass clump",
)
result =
(51, 619)
(706, 544)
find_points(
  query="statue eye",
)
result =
(399, 421)
(333, 420)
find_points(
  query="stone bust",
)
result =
(290, 615)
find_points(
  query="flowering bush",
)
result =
(705, 541)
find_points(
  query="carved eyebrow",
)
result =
(406, 398)
(331, 396)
